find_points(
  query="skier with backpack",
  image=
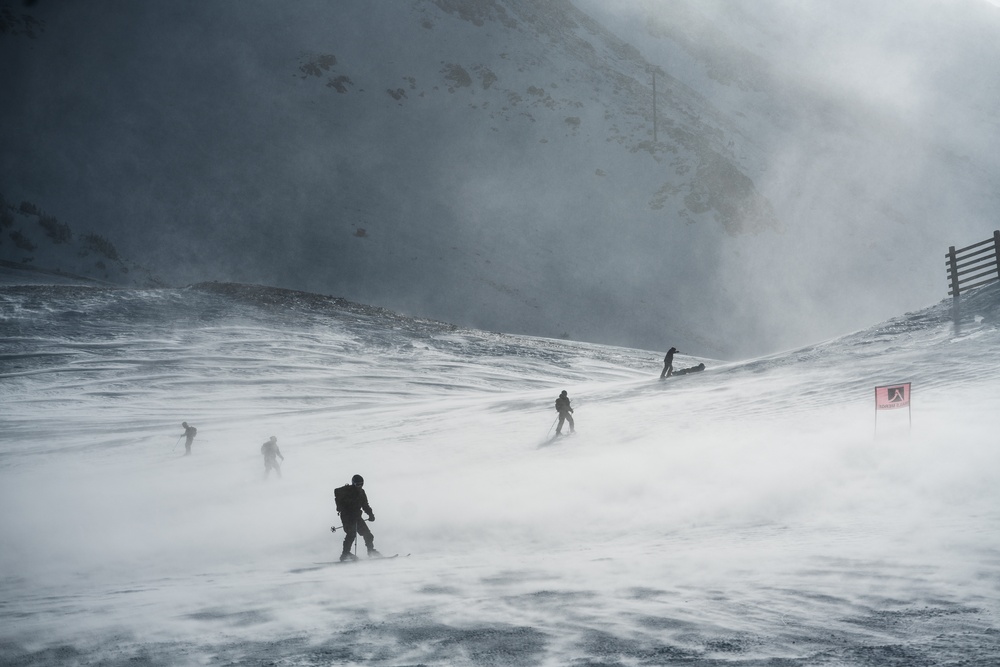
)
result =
(351, 500)
(271, 455)
(565, 413)
(189, 433)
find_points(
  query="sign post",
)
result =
(893, 397)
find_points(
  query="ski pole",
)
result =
(177, 443)
(551, 425)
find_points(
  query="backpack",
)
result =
(340, 496)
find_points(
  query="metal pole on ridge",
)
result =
(654, 105)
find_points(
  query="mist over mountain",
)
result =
(493, 162)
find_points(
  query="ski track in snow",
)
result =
(744, 515)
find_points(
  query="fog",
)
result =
(747, 513)
(864, 126)
(493, 164)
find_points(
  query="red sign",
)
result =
(892, 396)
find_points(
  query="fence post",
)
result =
(953, 271)
(996, 249)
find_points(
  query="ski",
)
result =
(365, 560)
(557, 437)
(320, 565)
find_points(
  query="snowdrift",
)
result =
(745, 514)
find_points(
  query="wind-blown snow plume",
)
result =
(744, 513)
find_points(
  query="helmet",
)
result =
(274, 438)
(563, 393)
(358, 480)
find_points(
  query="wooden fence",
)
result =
(973, 266)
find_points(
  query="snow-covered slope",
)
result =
(741, 515)
(493, 162)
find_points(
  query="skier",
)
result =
(271, 455)
(351, 500)
(189, 433)
(668, 363)
(565, 413)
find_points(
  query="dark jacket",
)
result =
(562, 404)
(270, 450)
(351, 500)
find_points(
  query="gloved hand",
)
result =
(371, 517)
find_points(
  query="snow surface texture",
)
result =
(743, 515)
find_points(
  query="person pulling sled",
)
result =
(668, 363)
(351, 501)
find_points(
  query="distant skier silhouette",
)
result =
(668, 363)
(189, 433)
(565, 413)
(271, 455)
(351, 500)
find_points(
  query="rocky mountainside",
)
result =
(504, 164)
(36, 246)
